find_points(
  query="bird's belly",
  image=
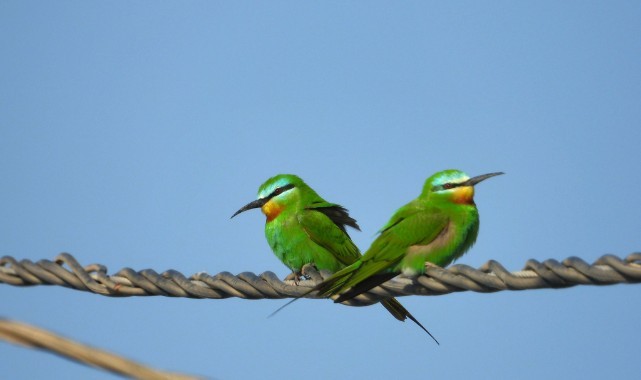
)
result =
(438, 251)
(294, 248)
(289, 250)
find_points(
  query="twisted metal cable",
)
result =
(490, 277)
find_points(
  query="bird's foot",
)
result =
(429, 266)
(294, 276)
(310, 271)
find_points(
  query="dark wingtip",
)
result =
(340, 216)
(364, 286)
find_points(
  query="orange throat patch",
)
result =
(271, 210)
(464, 195)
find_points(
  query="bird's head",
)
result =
(276, 194)
(453, 185)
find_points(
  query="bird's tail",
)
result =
(401, 313)
(336, 283)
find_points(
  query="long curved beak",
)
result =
(474, 180)
(253, 204)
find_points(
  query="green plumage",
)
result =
(437, 227)
(302, 228)
(306, 235)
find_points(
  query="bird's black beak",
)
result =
(474, 180)
(254, 204)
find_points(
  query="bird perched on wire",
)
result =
(437, 227)
(302, 228)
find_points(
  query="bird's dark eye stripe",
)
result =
(446, 186)
(280, 190)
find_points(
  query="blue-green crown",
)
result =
(280, 180)
(438, 180)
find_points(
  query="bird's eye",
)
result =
(280, 190)
(448, 186)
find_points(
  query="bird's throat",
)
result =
(271, 210)
(464, 195)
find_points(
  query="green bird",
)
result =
(437, 227)
(302, 228)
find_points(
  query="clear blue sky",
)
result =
(131, 131)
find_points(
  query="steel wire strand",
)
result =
(490, 277)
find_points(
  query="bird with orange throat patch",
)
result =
(302, 228)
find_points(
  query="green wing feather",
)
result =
(324, 224)
(327, 234)
(411, 225)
